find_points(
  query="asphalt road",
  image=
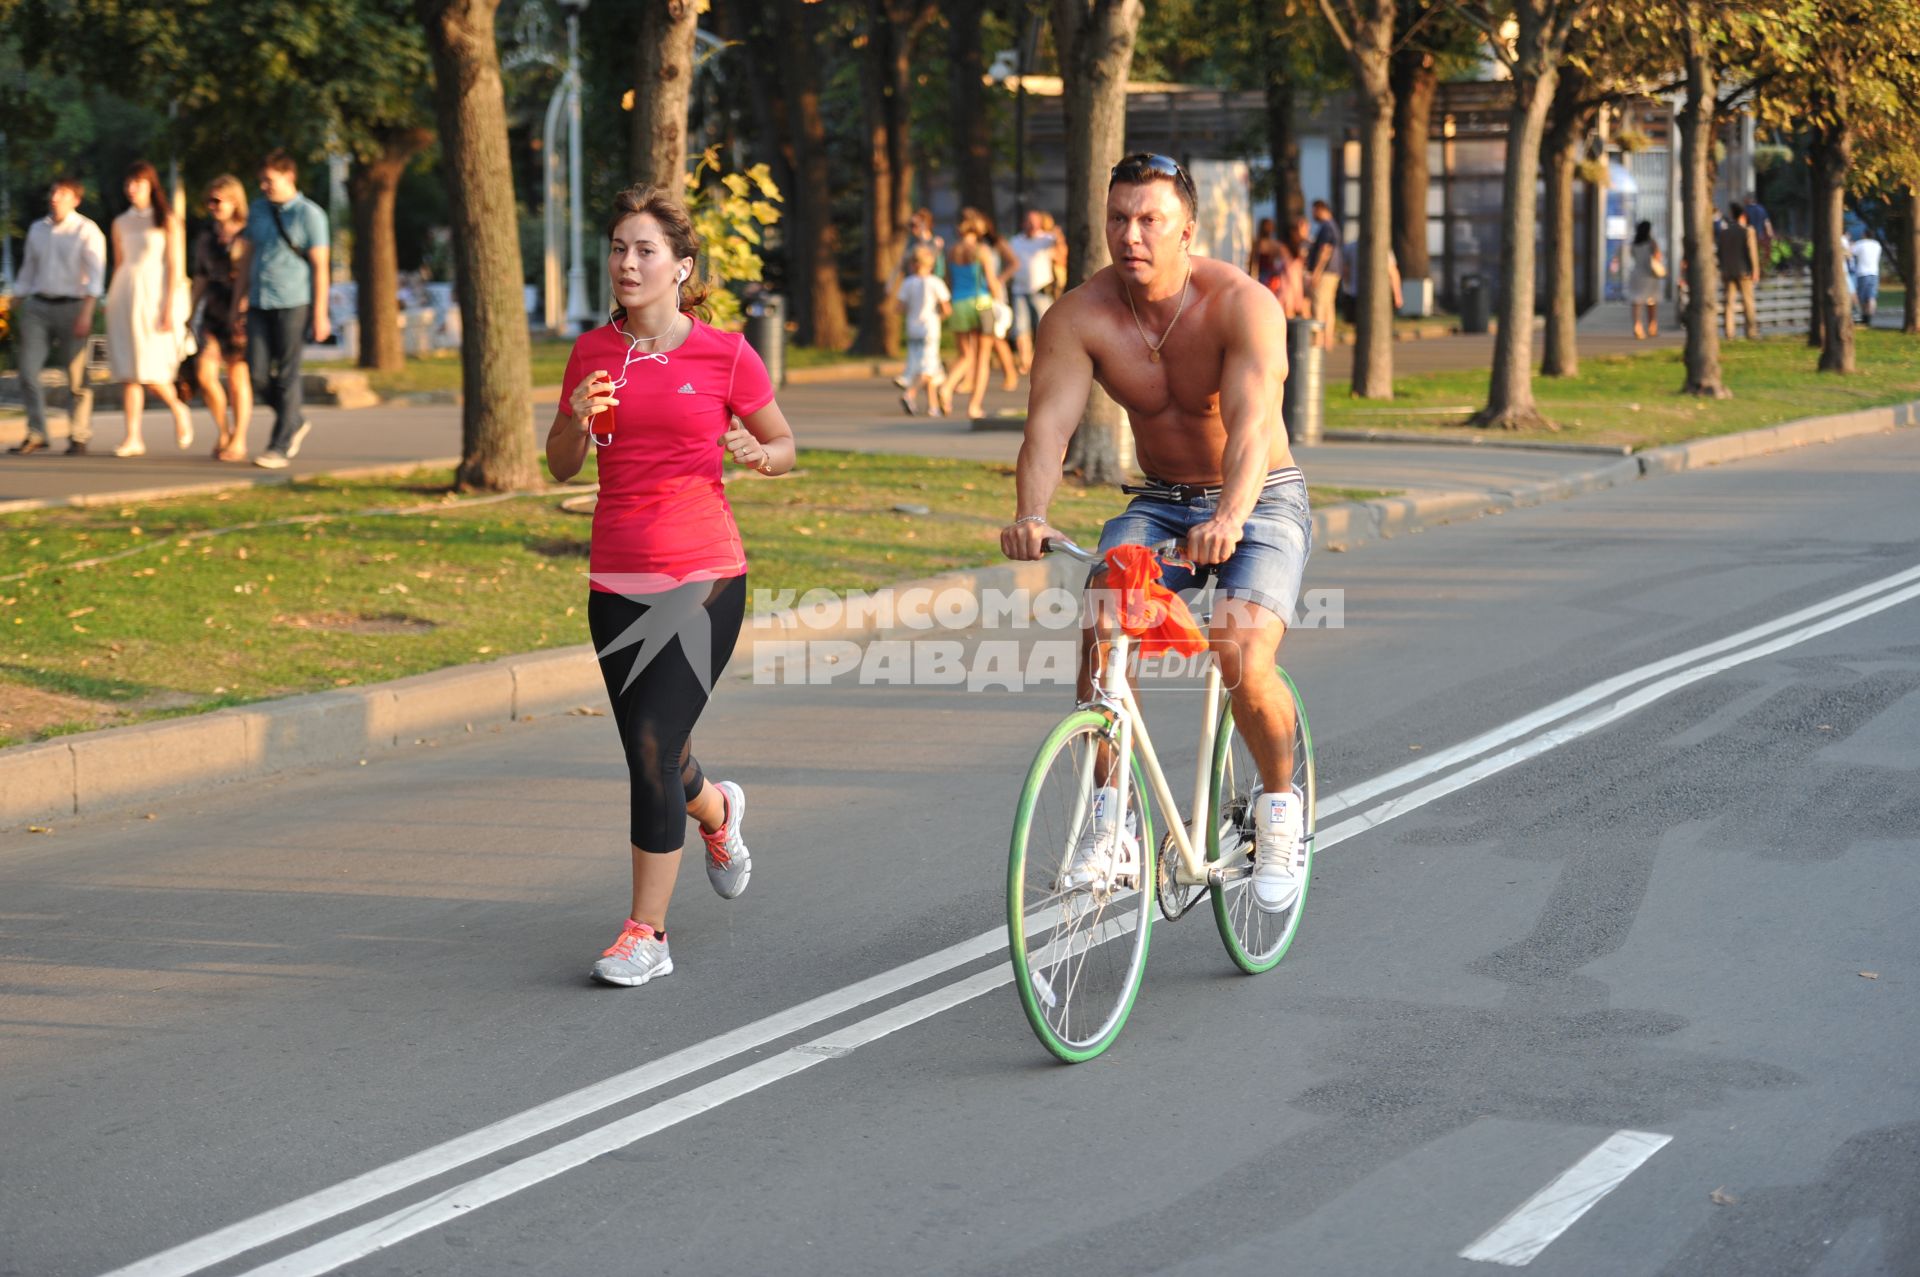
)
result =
(1654, 924)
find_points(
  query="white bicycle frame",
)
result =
(1114, 694)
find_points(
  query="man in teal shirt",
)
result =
(288, 235)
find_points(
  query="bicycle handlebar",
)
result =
(1168, 552)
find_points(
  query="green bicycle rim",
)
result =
(1071, 1052)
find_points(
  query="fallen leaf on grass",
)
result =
(39, 829)
(1869, 975)
(1721, 1197)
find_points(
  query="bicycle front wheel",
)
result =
(1256, 940)
(1079, 951)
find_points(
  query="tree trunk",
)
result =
(1415, 81)
(1283, 142)
(1373, 290)
(371, 186)
(1510, 403)
(1818, 264)
(876, 335)
(972, 122)
(662, 84)
(1095, 43)
(1832, 152)
(1696, 202)
(1560, 153)
(821, 309)
(496, 414)
(1910, 264)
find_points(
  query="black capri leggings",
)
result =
(658, 690)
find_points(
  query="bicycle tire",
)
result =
(1255, 940)
(1054, 933)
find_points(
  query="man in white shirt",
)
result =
(1032, 282)
(1865, 252)
(61, 280)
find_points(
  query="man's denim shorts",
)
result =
(1267, 565)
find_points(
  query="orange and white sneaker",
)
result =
(639, 955)
(729, 863)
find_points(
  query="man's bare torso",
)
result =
(1173, 405)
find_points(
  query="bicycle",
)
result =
(1077, 985)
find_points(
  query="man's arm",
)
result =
(93, 251)
(26, 279)
(1251, 377)
(322, 285)
(1056, 400)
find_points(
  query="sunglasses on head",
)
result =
(1144, 166)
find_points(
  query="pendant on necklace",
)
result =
(1153, 356)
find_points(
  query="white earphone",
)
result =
(684, 272)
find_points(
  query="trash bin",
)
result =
(1302, 400)
(1475, 305)
(767, 334)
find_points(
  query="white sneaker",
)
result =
(1279, 851)
(729, 863)
(299, 437)
(1106, 858)
(636, 957)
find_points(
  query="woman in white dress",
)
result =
(146, 307)
(1644, 271)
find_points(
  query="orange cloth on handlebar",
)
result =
(1149, 611)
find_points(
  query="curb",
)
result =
(1363, 434)
(119, 766)
(266, 479)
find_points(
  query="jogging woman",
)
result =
(655, 392)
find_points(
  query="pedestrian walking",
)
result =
(1323, 272)
(1264, 263)
(1000, 327)
(974, 281)
(920, 236)
(147, 308)
(1739, 254)
(63, 275)
(655, 393)
(286, 299)
(1762, 228)
(220, 274)
(1032, 285)
(925, 301)
(1865, 255)
(1645, 269)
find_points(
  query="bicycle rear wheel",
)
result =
(1078, 954)
(1256, 940)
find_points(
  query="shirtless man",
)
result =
(1195, 351)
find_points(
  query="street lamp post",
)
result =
(579, 316)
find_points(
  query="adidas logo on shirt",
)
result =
(687, 389)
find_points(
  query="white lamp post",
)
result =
(579, 315)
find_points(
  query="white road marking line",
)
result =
(1355, 795)
(1558, 736)
(357, 1243)
(316, 1208)
(1534, 1224)
(190, 1257)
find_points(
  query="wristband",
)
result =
(1029, 518)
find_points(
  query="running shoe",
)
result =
(1107, 857)
(1279, 851)
(299, 437)
(729, 863)
(635, 958)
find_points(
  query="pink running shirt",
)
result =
(662, 510)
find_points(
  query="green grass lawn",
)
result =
(118, 615)
(1634, 400)
(440, 371)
